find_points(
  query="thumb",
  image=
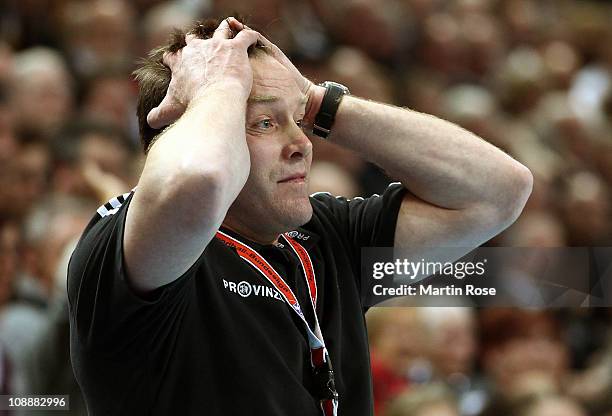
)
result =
(167, 112)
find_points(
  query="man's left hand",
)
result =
(314, 92)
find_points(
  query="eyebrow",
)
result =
(270, 99)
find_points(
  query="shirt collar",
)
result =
(306, 238)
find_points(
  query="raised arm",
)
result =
(198, 165)
(463, 190)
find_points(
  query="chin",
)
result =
(296, 213)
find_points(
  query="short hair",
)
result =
(153, 76)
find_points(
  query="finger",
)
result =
(224, 30)
(167, 112)
(265, 41)
(235, 24)
(247, 37)
(170, 59)
(276, 52)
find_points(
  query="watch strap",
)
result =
(329, 106)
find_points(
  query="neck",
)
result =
(245, 231)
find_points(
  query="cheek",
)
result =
(264, 159)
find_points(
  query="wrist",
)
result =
(315, 97)
(326, 114)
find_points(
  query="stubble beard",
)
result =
(275, 217)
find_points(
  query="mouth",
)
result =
(297, 178)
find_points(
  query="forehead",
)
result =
(272, 82)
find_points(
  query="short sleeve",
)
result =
(104, 310)
(366, 222)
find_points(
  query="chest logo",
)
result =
(246, 289)
(298, 235)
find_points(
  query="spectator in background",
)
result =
(92, 160)
(587, 194)
(474, 108)
(593, 385)
(536, 229)
(375, 27)
(546, 405)
(10, 241)
(395, 337)
(522, 354)
(98, 34)
(9, 263)
(604, 159)
(6, 61)
(51, 225)
(329, 177)
(31, 323)
(42, 93)
(451, 349)
(110, 97)
(18, 320)
(16, 197)
(425, 400)
(159, 22)
(8, 138)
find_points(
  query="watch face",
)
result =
(326, 84)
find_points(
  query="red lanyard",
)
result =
(318, 352)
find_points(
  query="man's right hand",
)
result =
(220, 61)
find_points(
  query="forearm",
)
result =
(436, 160)
(207, 144)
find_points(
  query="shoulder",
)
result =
(361, 221)
(326, 204)
(100, 240)
(107, 214)
(327, 199)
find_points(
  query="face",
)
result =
(397, 345)
(455, 346)
(275, 197)
(44, 101)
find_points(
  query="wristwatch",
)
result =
(329, 106)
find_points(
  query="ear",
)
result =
(166, 113)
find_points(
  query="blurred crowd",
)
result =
(533, 77)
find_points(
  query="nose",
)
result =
(298, 145)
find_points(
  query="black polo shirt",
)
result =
(220, 340)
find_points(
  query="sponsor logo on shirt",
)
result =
(246, 289)
(298, 235)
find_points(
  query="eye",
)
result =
(264, 124)
(299, 122)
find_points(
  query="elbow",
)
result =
(514, 194)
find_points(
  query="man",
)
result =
(194, 293)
